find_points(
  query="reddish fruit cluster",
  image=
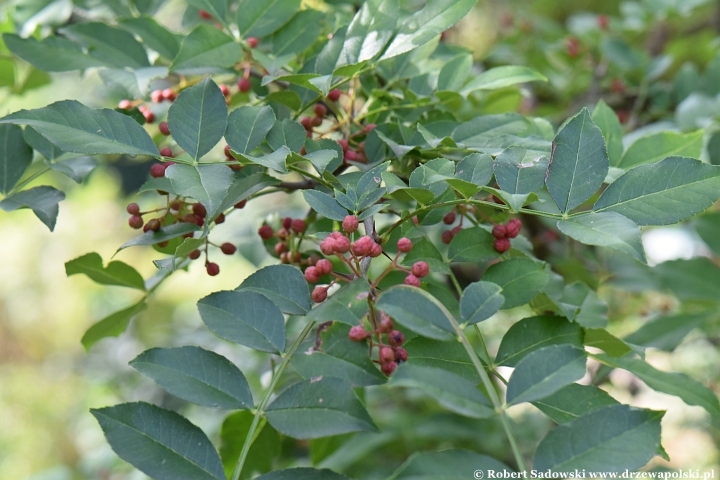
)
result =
(418, 271)
(158, 96)
(503, 234)
(389, 350)
(448, 235)
(309, 123)
(291, 229)
(322, 267)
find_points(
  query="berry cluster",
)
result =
(449, 219)
(503, 234)
(385, 340)
(287, 241)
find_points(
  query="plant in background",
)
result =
(429, 211)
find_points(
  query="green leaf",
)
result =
(141, 433)
(607, 121)
(41, 144)
(680, 385)
(196, 375)
(629, 436)
(321, 159)
(248, 126)
(476, 132)
(347, 305)
(208, 184)
(43, 201)
(580, 304)
(655, 147)
(114, 47)
(76, 168)
(246, 185)
(73, 127)
(319, 407)
(369, 32)
(453, 74)
(450, 390)
(116, 272)
(284, 285)
(216, 8)
(338, 357)
(205, 49)
(419, 28)
(264, 449)
(662, 193)
(530, 334)
(708, 228)
(303, 473)
(579, 162)
(449, 356)
(112, 325)
(299, 34)
(417, 310)
(693, 279)
(275, 160)
(287, 133)
(605, 341)
(606, 229)
(15, 156)
(480, 301)
(258, 19)
(325, 205)
(573, 401)
(517, 172)
(545, 371)
(666, 333)
(520, 278)
(472, 245)
(52, 54)
(164, 234)
(449, 465)
(501, 77)
(476, 169)
(198, 118)
(514, 201)
(153, 35)
(244, 317)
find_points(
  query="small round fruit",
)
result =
(350, 156)
(164, 129)
(404, 245)
(225, 90)
(357, 333)
(199, 210)
(281, 247)
(388, 368)
(369, 127)
(265, 232)
(319, 294)
(396, 338)
(334, 95)
(241, 204)
(167, 152)
(375, 250)
(212, 269)
(420, 269)
(154, 224)
(220, 219)
(204, 15)
(135, 222)
(412, 280)
(194, 255)
(327, 246)
(343, 144)
(312, 275)
(386, 355)
(502, 245)
(149, 116)
(386, 323)
(513, 227)
(287, 223)
(447, 236)
(350, 223)
(316, 121)
(133, 209)
(157, 170)
(228, 248)
(323, 266)
(401, 354)
(449, 219)
(125, 105)
(320, 110)
(342, 245)
(244, 85)
(499, 231)
(252, 42)
(157, 96)
(362, 246)
(169, 94)
(298, 225)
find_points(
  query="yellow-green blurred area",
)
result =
(48, 382)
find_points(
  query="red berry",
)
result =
(265, 232)
(357, 333)
(375, 250)
(404, 245)
(225, 90)
(350, 155)
(386, 323)
(362, 246)
(455, 230)
(350, 223)
(370, 127)
(280, 247)
(167, 152)
(157, 170)
(401, 354)
(244, 85)
(163, 244)
(319, 294)
(228, 153)
(306, 122)
(386, 355)
(312, 275)
(513, 228)
(287, 223)
(199, 210)
(623, 115)
(420, 269)
(323, 266)
(149, 116)
(320, 110)
(135, 222)
(164, 129)
(342, 245)
(169, 94)
(316, 121)
(327, 246)
(154, 224)
(501, 245)
(228, 248)
(125, 105)
(388, 368)
(204, 15)
(212, 268)
(447, 236)
(412, 280)
(334, 95)
(603, 21)
(396, 338)
(194, 255)
(241, 204)
(133, 209)
(220, 219)
(253, 42)
(499, 231)
(298, 225)
(449, 219)
(189, 218)
(157, 96)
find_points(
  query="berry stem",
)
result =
(260, 411)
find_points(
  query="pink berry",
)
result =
(350, 223)
(323, 266)
(388, 368)
(369, 127)
(513, 228)
(342, 245)
(265, 232)
(350, 155)
(412, 280)
(135, 222)
(149, 116)
(499, 231)
(244, 85)
(194, 255)
(420, 269)
(167, 152)
(157, 170)
(320, 110)
(396, 338)
(253, 42)
(154, 225)
(225, 90)
(157, 96)
(312, 275)
(357, 333)
(319, 294)
(164, 129)
(133, 209)
(404, 245)
(362, 246)
(344, 144)
(287, 223)
(327, 246)
(386, 355)
(501, 245)
(204, 15)
(375, 250)
(298, 225)
(401, 354)
(125, 105)
(169, 94)
(386, 323)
